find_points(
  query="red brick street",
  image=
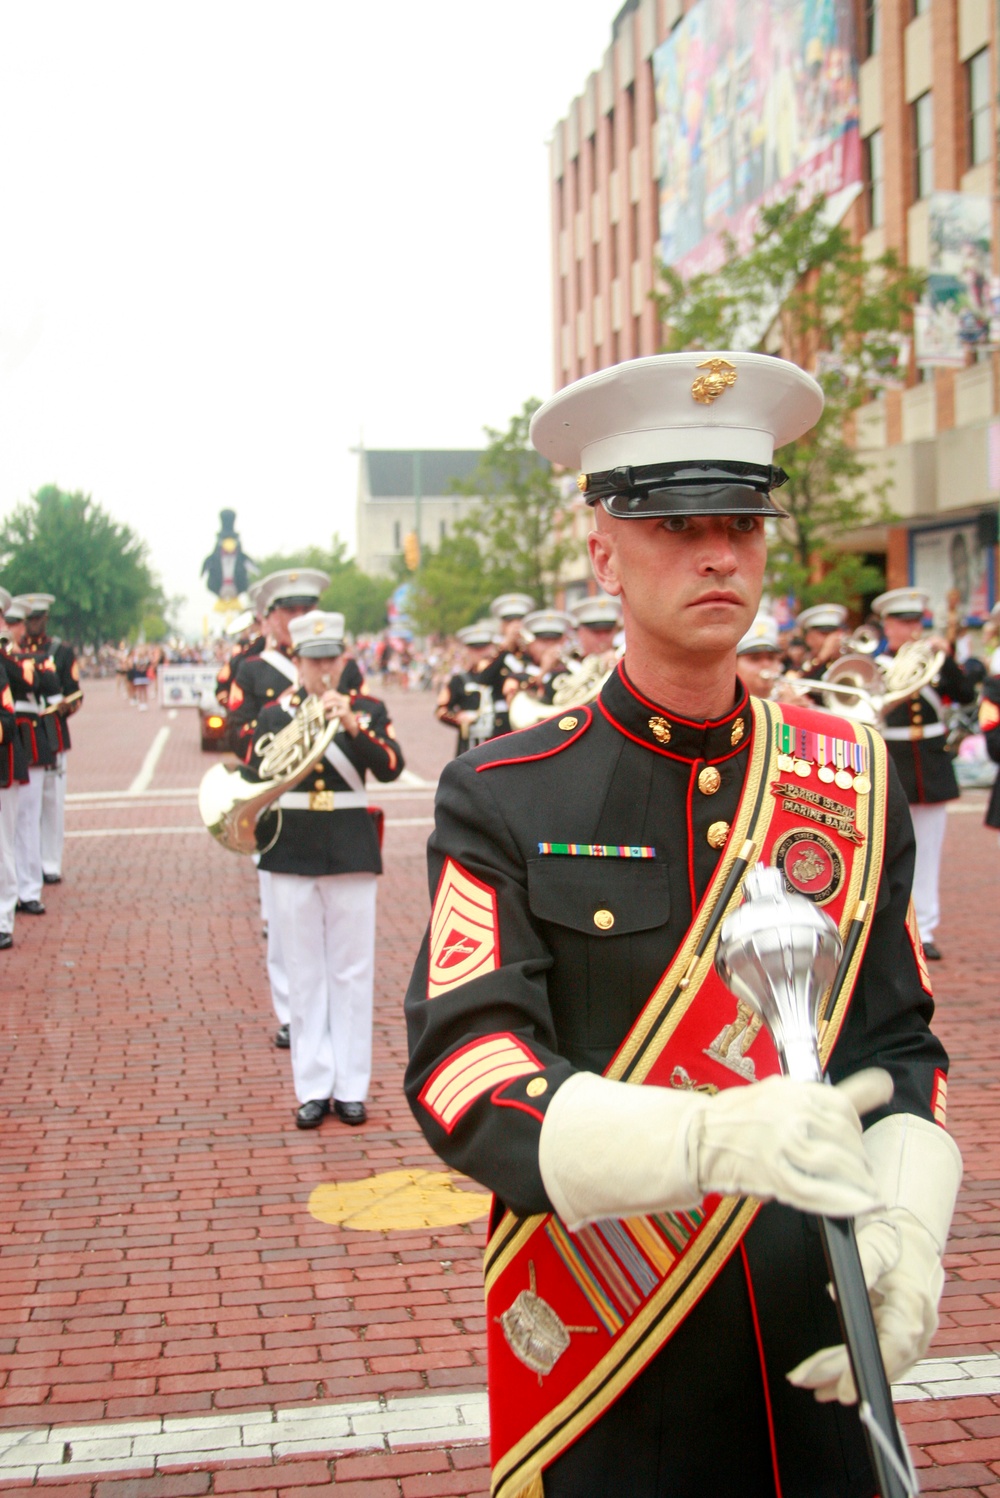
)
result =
(176, 1317)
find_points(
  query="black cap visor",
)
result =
(695, 499)
(296, 601)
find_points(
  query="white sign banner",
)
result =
(182, 686)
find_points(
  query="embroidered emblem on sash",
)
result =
(730, 1046)
(464, 933)
(811, 865)
(534, 1331)
(803, 802)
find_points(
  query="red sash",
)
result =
(572, 1318)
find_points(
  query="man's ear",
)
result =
(604, 561)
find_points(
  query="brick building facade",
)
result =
(927, 88)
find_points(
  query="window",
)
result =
(442, 530)
(395, 535)
(871, 27)
(923, 146)
(875, 179)
(977, 93)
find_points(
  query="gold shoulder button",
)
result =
(567, 723)
(536, 1087)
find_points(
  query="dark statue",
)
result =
(228, 570)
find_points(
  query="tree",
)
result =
(806, 282)
(454, 586)
(98, 569)
(360, 598)
(518, 524)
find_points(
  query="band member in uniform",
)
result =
(34, 686)
(465, 702)
(597, 621)
(548, 648)
(510, 663)
(323, 868)
(66, 701)
(259, 680)
(758, 656)
(249, 641)
(566, 1028)
(13, 771)
(823, 627)
(915, 733)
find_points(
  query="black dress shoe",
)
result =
(30, 907)
(312, 1114)
(6, 940)
(282, 1039)
(52, 879)
(350, 1113)
(931, 952)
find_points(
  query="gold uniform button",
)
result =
(319, 785)
(567, 723)
(603, 920)
(536, 1087)
(717, 834)
(709, 781)
(269, 692)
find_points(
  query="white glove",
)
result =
(608, 1149)
(918, 1169)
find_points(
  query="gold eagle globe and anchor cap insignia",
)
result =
(721, 377)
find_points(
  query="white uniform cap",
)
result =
(242, 621)
(512, 606)
(317, 634)
(14, 613)
(5, 600)
(671, 408)
(34, 603)
(548, 624)
(901, 601)
(598, 613)
(762, 638)
(822, 616)
(478, 635)
(290, 586)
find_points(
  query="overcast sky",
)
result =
(236, 236)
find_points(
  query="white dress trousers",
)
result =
(54, 817)
(277, 976)
(328, 940)
(29, 836)
(929, 823)
(8, 857)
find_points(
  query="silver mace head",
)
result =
(778, 953)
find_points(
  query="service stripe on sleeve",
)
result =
(465, 931)
(939, 1098)
(477, 1068)
(913, 933)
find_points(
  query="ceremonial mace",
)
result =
(780, 953)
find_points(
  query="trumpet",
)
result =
(231, 806)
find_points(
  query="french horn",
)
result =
(579, 684)
(231, 805)
(867, 690)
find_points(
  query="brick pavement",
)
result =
(157, 1258)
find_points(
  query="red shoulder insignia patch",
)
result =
(465, 931)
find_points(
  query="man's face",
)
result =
(318, 673)
(816, 639)
(899, 631)
(689, 585)
(35, 625)
(511, 631)
(758, 670)
(594, 641)
(281, 616)
(15, 629)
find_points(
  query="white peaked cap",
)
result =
(901, 601)
(317, 633)
(762, 636)
(647, 411)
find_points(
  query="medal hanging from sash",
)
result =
(572, 1318)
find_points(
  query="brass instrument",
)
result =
(868, 690)
(864, 641)
(231, 805)
(578, 685)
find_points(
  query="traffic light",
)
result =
(411, 550)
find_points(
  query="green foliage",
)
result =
(97, 568)
(517, 523)
(804, 286)
(454, 586)
(360, 598)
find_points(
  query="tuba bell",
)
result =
(579, 684)
(231, 805)
(859, 687)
